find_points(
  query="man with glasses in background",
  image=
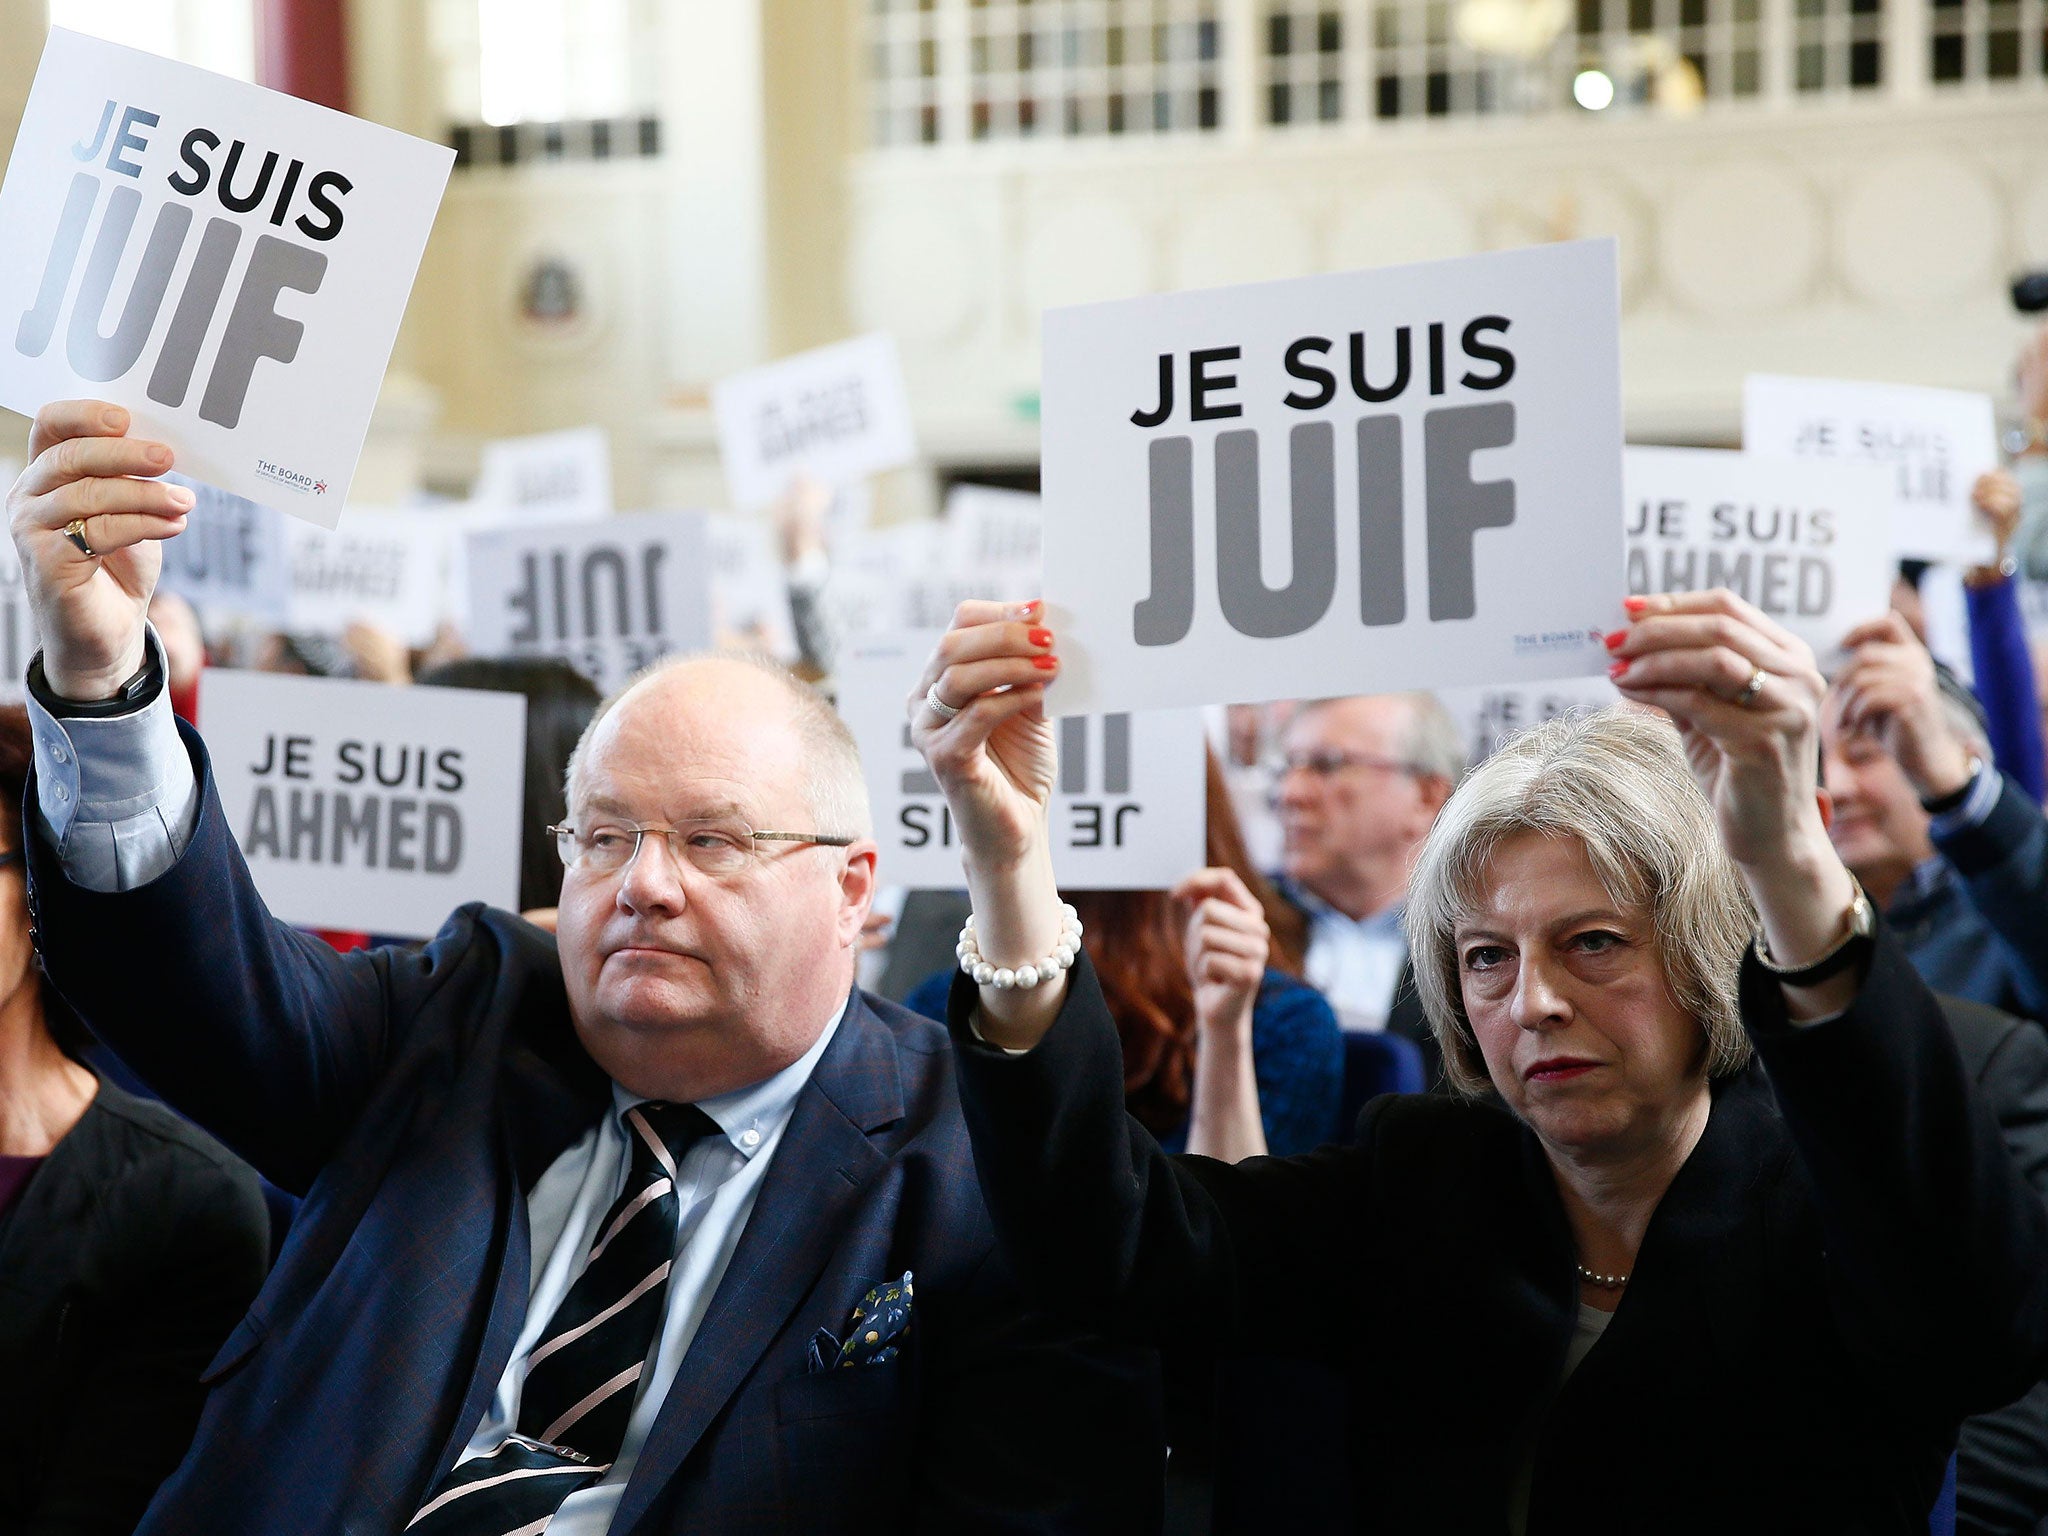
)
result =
(655, 1225)
(1360, 782)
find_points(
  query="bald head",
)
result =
(715, 702)
(690, 973)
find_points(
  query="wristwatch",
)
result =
(128, 698)
(1850, 950)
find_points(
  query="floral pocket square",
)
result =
(879, 1324)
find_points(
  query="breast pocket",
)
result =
(877, 1391)
(843, 1444)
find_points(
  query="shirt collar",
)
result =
(751, 1116)
(1387, 922)
(1928, 876)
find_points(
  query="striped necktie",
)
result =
(583, 1373)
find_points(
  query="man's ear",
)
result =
(856, 891)
(1436, 789)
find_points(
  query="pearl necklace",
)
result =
(1605, 1282)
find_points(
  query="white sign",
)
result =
(233, 558)
(18, 636)
(749, 586)
(610, 598)
(1129, 810)
(364, 806)
(837, 414)
(994, 534)
(989, 546)
(384, 569)
(1807, 541)
(229, 263)
(1408, 478)
(1935, 442)
(1489, 716)
(877, 576)
(2033, 597)
(552, 477)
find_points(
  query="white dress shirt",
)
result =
(1355, 962)
(717, 1182)
(118, 800)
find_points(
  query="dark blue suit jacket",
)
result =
(414, 1096)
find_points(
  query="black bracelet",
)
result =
(1941, 805)
(1850, 949)
(129, 697)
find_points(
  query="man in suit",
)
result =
(1953, 851)
(2002, 1457)
(1361, 783)
(662, 1226)
(1957, 856)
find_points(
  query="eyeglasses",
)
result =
(1325, 761)
(711, 847)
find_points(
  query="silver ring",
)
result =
(939, 706)
(75, 532)
(1752, 688)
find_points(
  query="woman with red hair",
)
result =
(1176, 967)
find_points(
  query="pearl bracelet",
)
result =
(1002, 977)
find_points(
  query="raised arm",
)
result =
(1937, 1248)
(145, 916)
(1227, 944)
(1093, 1216)
(1991, 834)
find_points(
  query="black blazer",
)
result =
(415, 1095)
(2002, 1457)
(134, 1250)
(1842, 1270)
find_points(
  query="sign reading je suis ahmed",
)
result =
(366, 806)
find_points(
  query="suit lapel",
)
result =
(824, 1161)
(551, 1093)
(508, 1311)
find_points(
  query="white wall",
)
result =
(1871, 239)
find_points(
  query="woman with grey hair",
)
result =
(1622, 1280)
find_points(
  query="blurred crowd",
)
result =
(131, 1242)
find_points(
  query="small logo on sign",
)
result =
(291, 479)
(1551, 641)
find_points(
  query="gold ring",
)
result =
(75, 532)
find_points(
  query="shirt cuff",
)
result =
(116, 796)
(1977, 805)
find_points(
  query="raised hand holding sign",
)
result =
(272, 245)
(86, 476)
(978, 716)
